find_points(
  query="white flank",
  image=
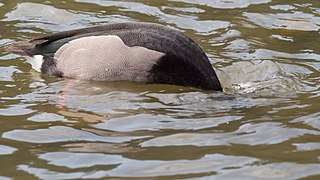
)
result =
(36, 62)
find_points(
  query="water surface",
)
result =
(265, 125)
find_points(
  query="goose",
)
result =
(141, 52)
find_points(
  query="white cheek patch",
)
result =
(36, 62)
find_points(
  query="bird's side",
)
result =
(144, 52)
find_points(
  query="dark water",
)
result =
(266, 125)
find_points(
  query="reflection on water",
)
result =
(134, 168)
(232, 4)
(264, 133)
(5, 150)
(60, 134)
(266, 123)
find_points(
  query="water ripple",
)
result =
(158, 122)
(296, 21)
(265, 125)
(250, 134)
(6, 73)
(6, 150)
(31, 15)
(135, 168)
(271, 171)
(222, 4)
(60, 134)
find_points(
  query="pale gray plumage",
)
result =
(90, 60)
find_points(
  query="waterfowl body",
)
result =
(142, 52)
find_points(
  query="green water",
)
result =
(266, 124)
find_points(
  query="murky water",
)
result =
(265, 125)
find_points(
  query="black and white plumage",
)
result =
(144, 52)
